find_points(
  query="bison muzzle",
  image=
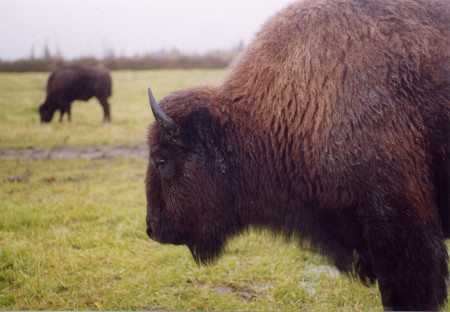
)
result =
(333, 126)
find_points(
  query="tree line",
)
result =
(161, 60)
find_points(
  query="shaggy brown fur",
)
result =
(75, 83)
(333, 126)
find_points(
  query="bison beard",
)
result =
(333, 126)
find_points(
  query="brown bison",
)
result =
(75, 83)
(333, 126)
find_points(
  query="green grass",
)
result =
(72, 237)
(72, 232)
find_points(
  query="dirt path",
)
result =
(136, 150)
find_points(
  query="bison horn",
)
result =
(164, 121)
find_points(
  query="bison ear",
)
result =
(200, 129)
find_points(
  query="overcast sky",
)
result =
(128, 27)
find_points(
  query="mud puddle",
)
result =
(135, 150)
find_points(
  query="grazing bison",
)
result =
(75, 83)
(333, 126)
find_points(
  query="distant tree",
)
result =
(47, 54)
(32, 53)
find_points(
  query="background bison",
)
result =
(75, 83)
(332, 126)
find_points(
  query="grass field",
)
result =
(72, 232)
(21, 95)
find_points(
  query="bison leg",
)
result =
(409, 257)
(61, 114)
(106, 113)
(64, 108)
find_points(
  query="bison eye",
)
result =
(160, 163)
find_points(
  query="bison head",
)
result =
(46, 112)
(188, 199)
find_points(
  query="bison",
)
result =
(332, 126)
(75, 83)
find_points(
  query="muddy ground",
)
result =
(136, 150)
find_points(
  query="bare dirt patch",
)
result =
(135, 150)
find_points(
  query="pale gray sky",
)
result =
(128, 27)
